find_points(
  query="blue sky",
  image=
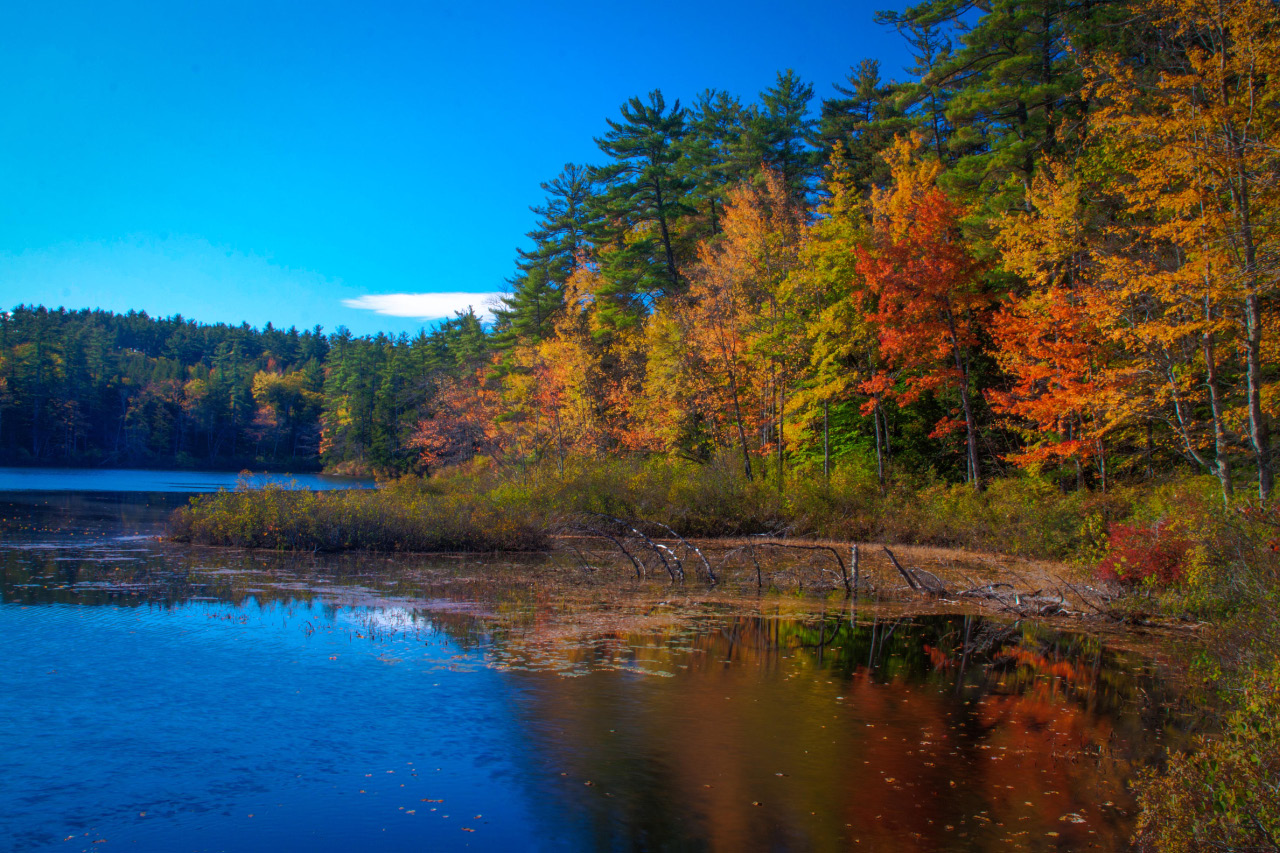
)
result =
(301, 163)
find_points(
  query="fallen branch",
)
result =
(844, 571)
(690, 547)
(601, 534)
(653, 546)
(918, 579)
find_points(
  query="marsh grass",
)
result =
(1024, 516)
(405, 516)
(484, 506)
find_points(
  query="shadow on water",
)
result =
(249, 701)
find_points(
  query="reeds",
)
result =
(402, 517)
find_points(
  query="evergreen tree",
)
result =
(711, 154)
(637, 217)
(1014, 86)
(781, 134)
(537, 291)
(863, 120)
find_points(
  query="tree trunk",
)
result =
(971, 431)
(1151, 451)
(970, 422)
(742, 432)
(875, 422)
(782, 414)
(1221, 463)
(1102, 464)
(826, 441)
(1259, 429)
(666, 237)
(559, 444)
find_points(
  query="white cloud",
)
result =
(426, 306)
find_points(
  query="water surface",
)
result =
(156, 697)
(139, 480)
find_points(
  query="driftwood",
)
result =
(620, 531)
(844, 571)
(1022, 600)
(577, 552)
(1100, 607)
(759, 573)
(1023, 604)
(676, 573)
(689, 546)
(911, 581)
(918, 579)
(604, 534)
(1002, 595)
(1042, 602)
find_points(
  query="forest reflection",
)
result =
(689, 723)
(923, 732)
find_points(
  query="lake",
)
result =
(139, 480)
(156, 697)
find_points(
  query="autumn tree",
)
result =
(1196, 134)
(738, 316)
(1051, 336)
(931, 303)
(461, 424)
(287, 403)
(827, 293)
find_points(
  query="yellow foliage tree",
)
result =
(1196, 141)
(833, 305)
(739, 323)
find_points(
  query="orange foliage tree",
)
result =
(1048, 339)
(1195, 144)
(462, 424)
(931, 304)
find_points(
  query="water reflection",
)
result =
(924, 733)
(158, 693)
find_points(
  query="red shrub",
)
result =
(1136, 553)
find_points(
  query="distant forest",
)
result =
(97, 388)
(1055, 245)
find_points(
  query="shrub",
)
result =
(404, 516)
(1226, 794)
(1142, 554)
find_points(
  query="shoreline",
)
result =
(1073, 599)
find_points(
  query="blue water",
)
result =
(200, 727)
(164, 698)
(138, 480)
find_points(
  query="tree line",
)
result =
(1052, 246)
(98, 388)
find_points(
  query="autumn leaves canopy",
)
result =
(1090, 297)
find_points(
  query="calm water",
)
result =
(161, 698)
(136, 480)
